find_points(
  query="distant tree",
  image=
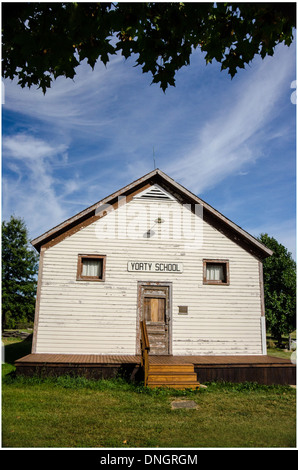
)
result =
(280, 289)
(42, 41)
(19, 270)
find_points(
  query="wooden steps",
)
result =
(178, 376)
(163, 374)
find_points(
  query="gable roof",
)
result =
(162, 181)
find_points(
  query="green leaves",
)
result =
(19, 270)
(42, 41)
(279, 288)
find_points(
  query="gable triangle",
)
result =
(155, 193)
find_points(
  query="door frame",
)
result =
(141, 285)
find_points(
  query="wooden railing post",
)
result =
(145, 348)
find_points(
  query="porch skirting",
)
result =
(266, 370)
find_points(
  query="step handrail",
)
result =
(145, 348)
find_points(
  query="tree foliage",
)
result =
(42, 41)
(19, 270)
(279, 289)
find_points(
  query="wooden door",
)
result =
(155, 311)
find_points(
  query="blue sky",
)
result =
(231, 142)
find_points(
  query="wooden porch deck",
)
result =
(262, 369)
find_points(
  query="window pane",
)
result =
(215, 272)
(92, 267)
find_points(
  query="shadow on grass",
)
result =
(15, 351)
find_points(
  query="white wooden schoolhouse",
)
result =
(151, 251)
(152, 283)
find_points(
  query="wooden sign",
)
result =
(154, 267)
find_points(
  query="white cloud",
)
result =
(86, 138)
(30, 149)
(33, 195)
(234, 136)
(70, 105)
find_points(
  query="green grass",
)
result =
(16, 348)
(75, 412)
(276, 352)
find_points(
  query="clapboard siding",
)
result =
(85, 317)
